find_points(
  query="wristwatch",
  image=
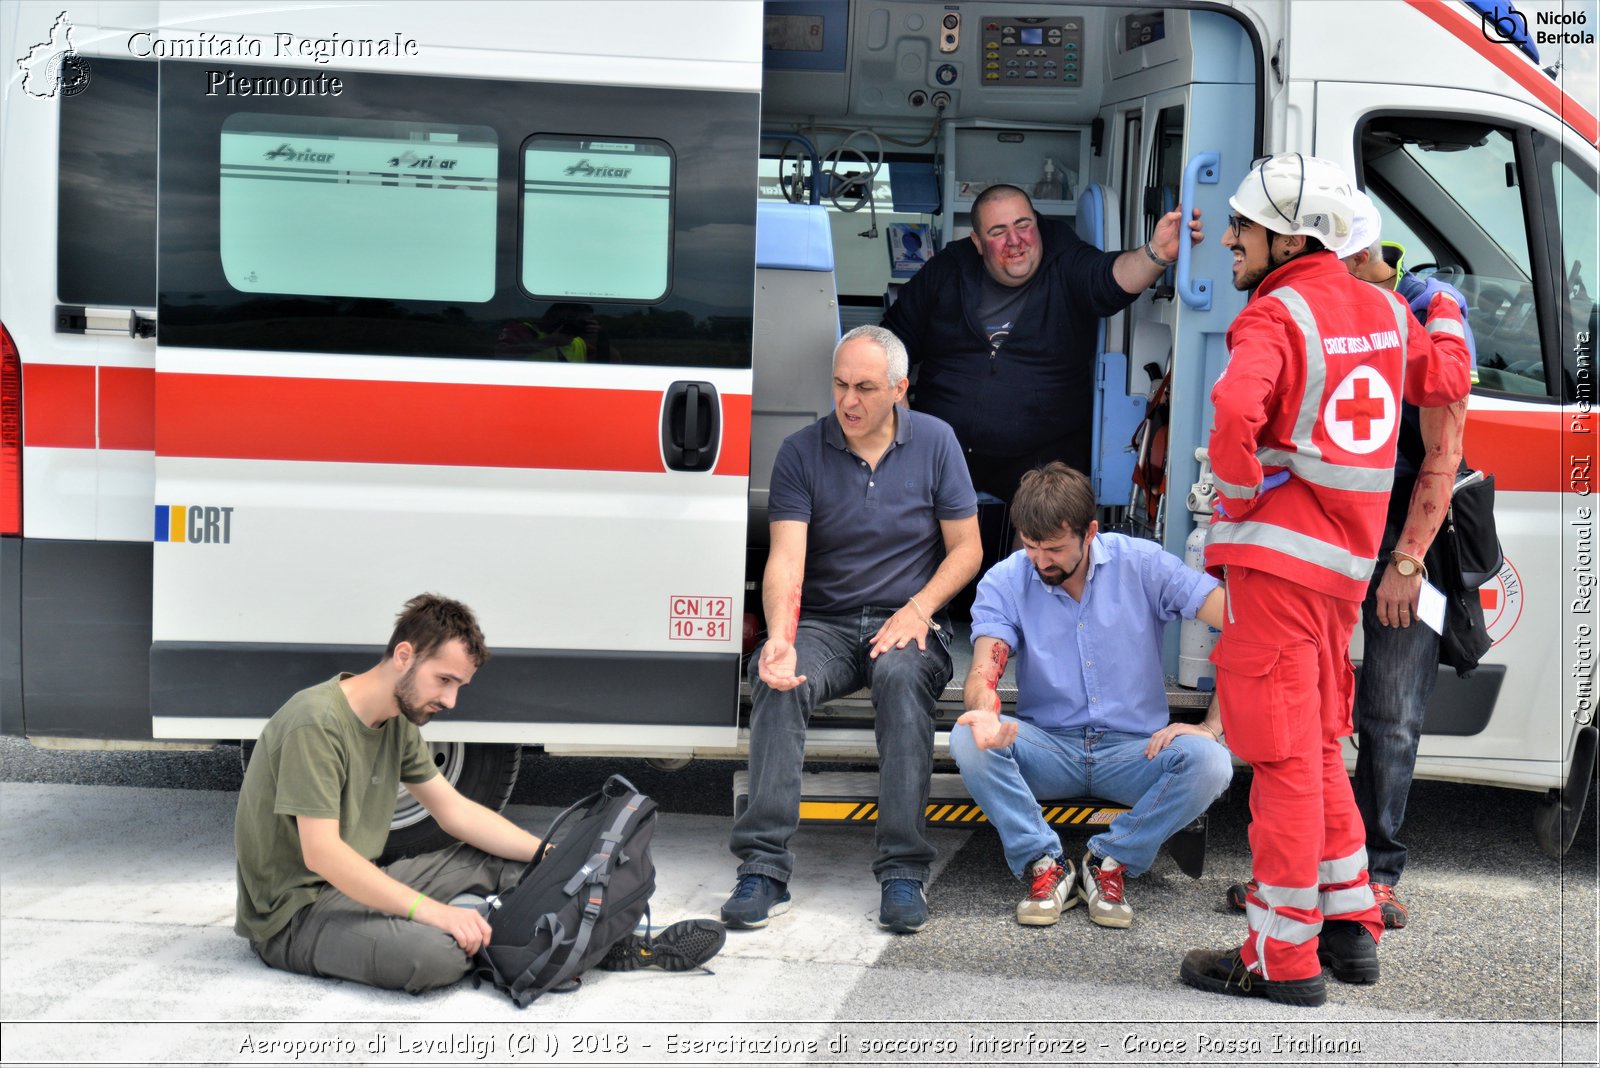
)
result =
(1407, 565)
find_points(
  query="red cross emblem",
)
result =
(1360, 413)
(1360, 410)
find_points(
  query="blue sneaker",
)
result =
(755, 900)
(904, 909)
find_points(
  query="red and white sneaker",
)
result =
(1052, 890)
(1394, 910)
(1103, 893)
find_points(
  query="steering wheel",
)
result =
(1452, 275)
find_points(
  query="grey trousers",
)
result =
(336, 937)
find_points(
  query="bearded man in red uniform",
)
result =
(1307, 416)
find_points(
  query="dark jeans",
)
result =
(336, 937)
(1398, 672)
(832, 655)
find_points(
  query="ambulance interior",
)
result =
(882, 119)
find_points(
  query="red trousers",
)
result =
(1285, 682)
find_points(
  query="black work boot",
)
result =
(1349, 952)
(1221, 971)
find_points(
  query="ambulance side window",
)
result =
(1571, 188)
(1455, 193)
(334, 207)
(583, 194)
(106, 205)
(439, 217)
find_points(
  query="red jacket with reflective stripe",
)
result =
(1317, 362)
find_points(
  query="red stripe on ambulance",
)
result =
(442, 424)
(1522, 450)
(59, 405)
(127, 408)
(1512, 63)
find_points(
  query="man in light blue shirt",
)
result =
(1084, 614)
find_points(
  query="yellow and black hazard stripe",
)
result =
(954, 813)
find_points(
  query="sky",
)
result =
(1579, 74)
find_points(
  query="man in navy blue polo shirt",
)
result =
(1084, 613)
(874, 529)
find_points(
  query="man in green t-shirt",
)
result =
(314, 815)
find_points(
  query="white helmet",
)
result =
(1365, 228)
(1295, 194)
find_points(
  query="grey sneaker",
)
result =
(686, 944)
(755, 899)
(1053, 888)
(1102, 892)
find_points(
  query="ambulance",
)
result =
(308, 308)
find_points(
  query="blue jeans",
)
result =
(831, 652)
(1398, 672)
(1165, 793)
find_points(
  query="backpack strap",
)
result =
(596, 873)
(488, 971)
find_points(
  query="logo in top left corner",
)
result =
(52, 67)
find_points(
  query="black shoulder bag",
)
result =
(1464, 555)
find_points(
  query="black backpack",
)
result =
(577, 899)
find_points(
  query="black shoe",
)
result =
(686, 944)
(1237, 893)
(1349, 952)
(1222, 972)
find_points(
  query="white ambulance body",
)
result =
(310, 309)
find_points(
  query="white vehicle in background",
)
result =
(307, 309)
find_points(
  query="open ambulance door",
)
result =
(482, 337)
(1498, 197)
(1181, 124)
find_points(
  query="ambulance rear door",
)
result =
(1182, 119)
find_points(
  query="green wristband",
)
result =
(412, 911)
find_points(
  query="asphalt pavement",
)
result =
(116, 946)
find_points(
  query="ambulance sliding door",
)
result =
(485, 338)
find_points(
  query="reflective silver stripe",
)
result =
(1342, 869)
(1316, 370)
(1294, 897)
(1243, 493)
(1304, 546)
(1402, 319)
(1442, 325)
(1345, 902)
(1332, 476)
(1270, 923)
(1402, 322)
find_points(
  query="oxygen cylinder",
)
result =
(1196, 638)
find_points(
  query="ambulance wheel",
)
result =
(483, 773)
(1555, 823)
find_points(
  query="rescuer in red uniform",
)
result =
(1302, 448)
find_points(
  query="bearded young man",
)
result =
(314, 815)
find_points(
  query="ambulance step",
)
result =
(838, 798)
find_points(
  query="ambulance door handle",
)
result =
(691, 426)
(1203, 167)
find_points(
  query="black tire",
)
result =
(1555, 824)
(483, 773)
